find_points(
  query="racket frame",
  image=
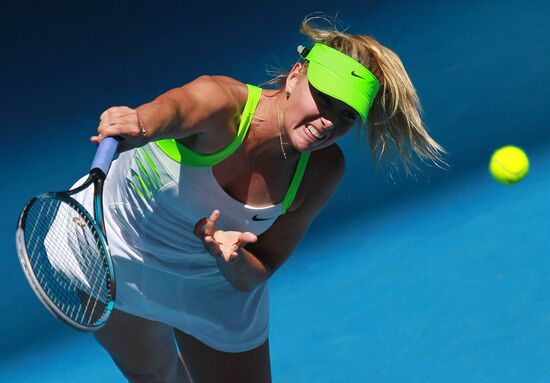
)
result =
(97, 177)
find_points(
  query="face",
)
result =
(313, 120)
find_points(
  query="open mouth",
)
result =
(314, 133)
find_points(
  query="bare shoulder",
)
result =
(328, 162)
(324, 171)
(208, 101)
(220, 88)
(217, 94)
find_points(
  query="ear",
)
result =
(295, 74)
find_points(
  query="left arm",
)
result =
(245, 273)
(254, 264)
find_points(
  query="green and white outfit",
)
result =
(153, 198)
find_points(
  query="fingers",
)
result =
(117, 119)
(212, 246)
(247, 237)
(227, 237)
(205, 229)
(95, 139)
(228, 252)
(123, 122)
(206, 226)
(199, 227)
(221, 243)
(210, 227)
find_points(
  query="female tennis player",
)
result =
(216, 185)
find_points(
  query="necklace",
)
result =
(280, 133)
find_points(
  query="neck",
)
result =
(267, 136)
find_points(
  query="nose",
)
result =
(327, 123)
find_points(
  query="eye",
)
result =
(325, 100)
(348, 114)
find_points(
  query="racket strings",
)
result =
(78, 268)
(67, 258)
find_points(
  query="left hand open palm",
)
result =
(221, 243)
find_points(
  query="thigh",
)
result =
(143, 350)
(207, 365)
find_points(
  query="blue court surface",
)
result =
(440, 279)
(446, 288)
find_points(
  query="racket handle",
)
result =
(105, 154)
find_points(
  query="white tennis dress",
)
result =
(152, 200)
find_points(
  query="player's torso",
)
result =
(158, 202)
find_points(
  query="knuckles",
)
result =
(116, 113)
(119, 120)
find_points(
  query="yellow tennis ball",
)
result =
(509, 165)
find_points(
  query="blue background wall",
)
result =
(443, 278)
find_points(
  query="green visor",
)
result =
(341, 77)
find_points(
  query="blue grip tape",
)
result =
(105, 154)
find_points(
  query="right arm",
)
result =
(181, 112)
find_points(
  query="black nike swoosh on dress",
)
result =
(256, 218)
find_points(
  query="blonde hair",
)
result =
(394, 123)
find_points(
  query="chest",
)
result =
(259, 180)
(254, 181)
